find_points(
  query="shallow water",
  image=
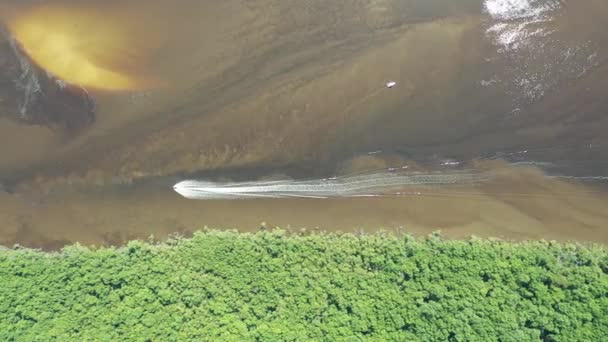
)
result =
(242, 91)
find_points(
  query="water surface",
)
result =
(265, 89)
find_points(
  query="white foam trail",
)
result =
(373, 184)
(583, 178)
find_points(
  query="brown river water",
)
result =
(247, 90)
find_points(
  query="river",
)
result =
(258, 90)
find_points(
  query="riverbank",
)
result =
(274, 285)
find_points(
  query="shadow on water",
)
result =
(272, 89)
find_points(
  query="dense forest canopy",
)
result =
(276, 286)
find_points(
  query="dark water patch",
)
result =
(37, 97)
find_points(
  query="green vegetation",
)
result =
(274, 286)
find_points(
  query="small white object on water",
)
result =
(391, 84)
(450, 163)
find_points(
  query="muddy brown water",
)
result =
(250, 89)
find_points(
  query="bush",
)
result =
(274, 286)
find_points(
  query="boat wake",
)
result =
(373, 184)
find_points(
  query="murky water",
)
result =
(258, 90)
